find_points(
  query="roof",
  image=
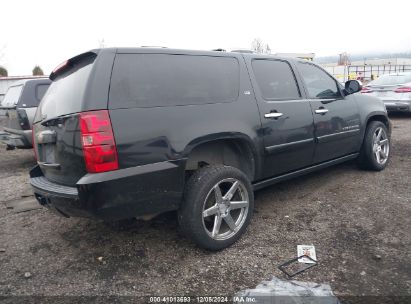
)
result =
(6, 82)
(24, 81)
(22, 77)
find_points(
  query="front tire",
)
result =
(376, 147)
(217, 207)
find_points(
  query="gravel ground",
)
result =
(358, 221)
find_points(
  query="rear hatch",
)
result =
(385, 92)
(57, 137)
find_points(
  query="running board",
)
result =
(300, 172)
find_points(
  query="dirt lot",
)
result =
(358, 221)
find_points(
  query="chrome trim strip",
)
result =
(335, 136)
(286, 146)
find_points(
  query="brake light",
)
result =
(403, 90)
(62, 66)
(97, 138)
(366, 90)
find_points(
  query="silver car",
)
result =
(393, 89)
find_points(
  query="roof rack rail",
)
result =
(243, 51)
(219, 50)
(154, 46)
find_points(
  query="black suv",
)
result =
(127, 132)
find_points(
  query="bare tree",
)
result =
(101, 44)
(260, 47)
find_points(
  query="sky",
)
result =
(46, 33)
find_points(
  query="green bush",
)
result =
(3, 72)
(37, 71)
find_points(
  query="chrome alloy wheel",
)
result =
(225, 209)
(381, 146)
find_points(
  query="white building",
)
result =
(368, 69)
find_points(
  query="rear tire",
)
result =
(376, 147)
(217, 207)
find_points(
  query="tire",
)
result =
(225, 221)
(374, 153)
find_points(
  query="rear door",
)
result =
(336, 117)
(287, 121)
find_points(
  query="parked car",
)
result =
(128, 132)
(393, 89)
(19, 107)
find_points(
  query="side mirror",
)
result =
(352, 86)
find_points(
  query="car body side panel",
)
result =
(369, 106)
(156, 134)
(96, 92)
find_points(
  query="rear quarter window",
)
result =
(158, 80)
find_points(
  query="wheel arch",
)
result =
(378, 116)
(236, 150)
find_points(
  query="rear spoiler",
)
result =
(70, 66)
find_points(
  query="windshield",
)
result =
(391, 80)
(12, 96)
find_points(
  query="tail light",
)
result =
(366, 90)
(97, 138)
(403, 90)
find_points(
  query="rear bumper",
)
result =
(114, 195)
(398, 106)
(16, 138)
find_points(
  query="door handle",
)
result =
(274, 115)
(321, 111)
(49, 165)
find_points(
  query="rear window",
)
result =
(391, 80)
(155, 80)
(65, 94)
(12, 96)
(275, 79)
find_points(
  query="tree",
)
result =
(37, 71)
(3, 72)
(260, 47)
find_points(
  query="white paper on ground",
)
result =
(308, 250)
(287, 292)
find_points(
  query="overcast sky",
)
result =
(49, 32)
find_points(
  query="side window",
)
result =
(318, 83)
(161, 80)
(41, 90)
(275, 79)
